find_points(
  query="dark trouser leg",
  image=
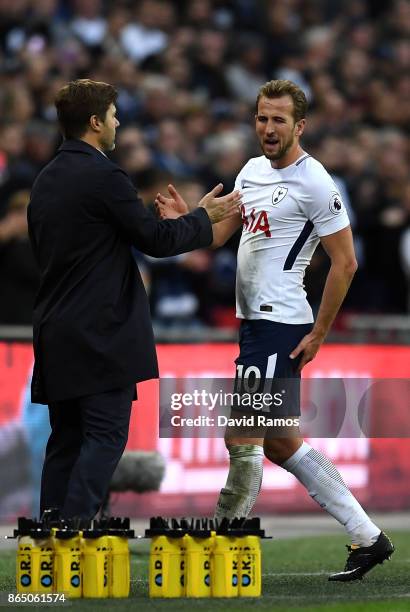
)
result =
(105, 422)
(63, 448)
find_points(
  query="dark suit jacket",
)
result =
(92, 327)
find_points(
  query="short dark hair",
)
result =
(280, 87)
(78, 101)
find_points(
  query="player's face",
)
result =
(107, 136)
(276, 128)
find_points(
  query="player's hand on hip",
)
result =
(221, 208)
(171, 207)
(307, 348)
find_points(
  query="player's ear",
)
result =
(300, 127)
(95, 123)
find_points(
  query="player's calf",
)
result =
(244, 481)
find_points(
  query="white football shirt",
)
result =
(284, 213)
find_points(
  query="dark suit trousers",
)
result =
(88, 437)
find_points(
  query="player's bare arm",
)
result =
(339, 247)
(174, 206)
(225, 229)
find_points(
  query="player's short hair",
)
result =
(77, 101)
(280, 87)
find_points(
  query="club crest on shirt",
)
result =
(335, 203)
(279, 194)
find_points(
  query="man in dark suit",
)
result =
(93, 338)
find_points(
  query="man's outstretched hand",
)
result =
(171, 207)
(221, 208)
(218, 208)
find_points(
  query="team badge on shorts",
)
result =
(335, 203)
(279, 194)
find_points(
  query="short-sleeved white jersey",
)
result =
(284, 213)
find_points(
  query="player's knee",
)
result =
(273, 451)
(231, 443)
(278, 450)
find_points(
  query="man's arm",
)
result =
(175, 206)
(223, 230)
(170, 236)
(339, 247)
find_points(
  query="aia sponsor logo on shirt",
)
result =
(256, 222)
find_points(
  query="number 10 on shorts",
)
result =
(248, 378)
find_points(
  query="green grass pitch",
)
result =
(294, 578)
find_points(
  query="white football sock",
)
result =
(325, 485)
(244, 481)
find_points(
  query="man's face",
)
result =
(275, 126)
(107, 135)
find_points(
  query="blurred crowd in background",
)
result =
(187, 74)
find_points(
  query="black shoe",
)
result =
(362, 560)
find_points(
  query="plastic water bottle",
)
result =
(167, 559)
(67, 562)
(119, 567)
(24, 559)
(199, 545)
(224, 562)
(95, 549)
(43, 560)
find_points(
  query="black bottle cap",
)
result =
(66, 534)
(24, 526)
(199, 528)
(238, 527)
(202, 533)
(157, 526)
(40, 534)
(93, 534)
(122, 533)
(160, 526)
